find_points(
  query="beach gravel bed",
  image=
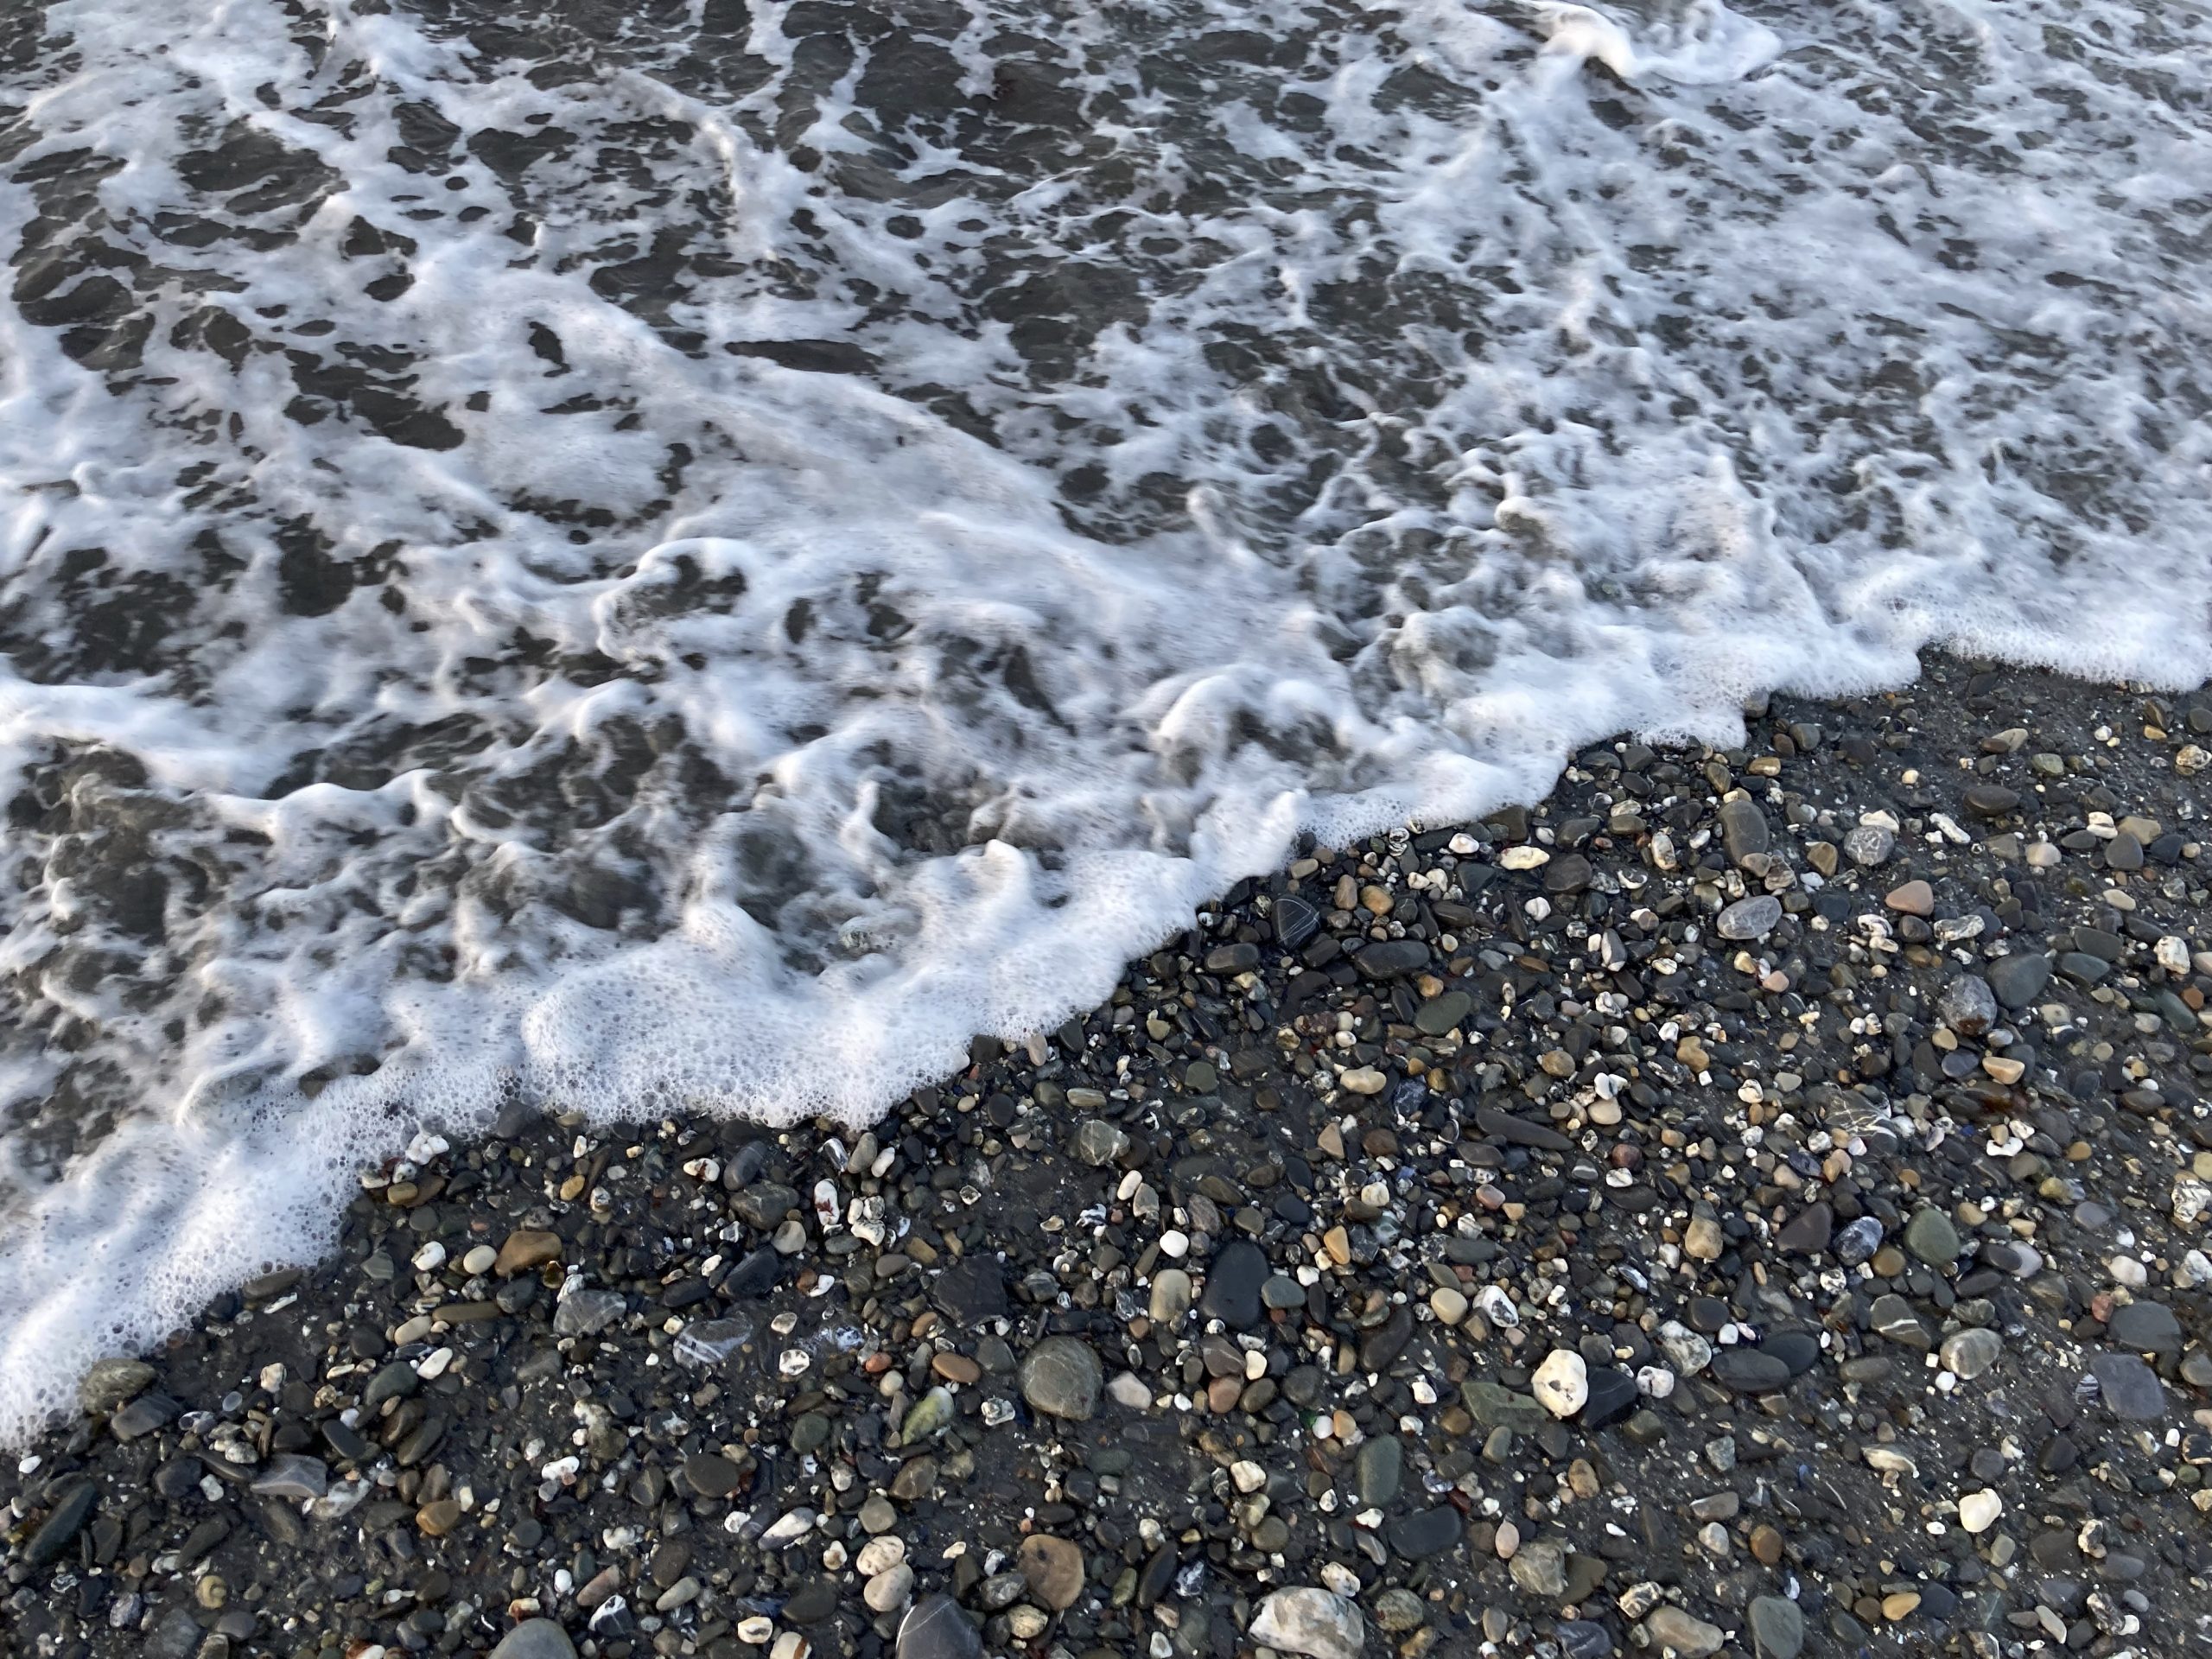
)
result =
(1753, 1202)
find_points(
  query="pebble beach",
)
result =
(1751, 1203)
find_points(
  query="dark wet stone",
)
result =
(2145, 1327)
(1807, 1232)
(1798, 1349)
(1968, 1005)
(1519, 1131)
(711, 1475)
(1229, 960)
(1778, 1628)
(1744, 829)
(536, 1638)
(1442, 1013)
(1747, 1370)
(2016, 981)
(1377, 1470)
(1061, 1376)
(1930, 1237)
(2130, 1388)
(971, 1291)
(1612, 1396)
(1233, 1281)
(1991, 800)
(764, 1204)
(1392, 958)
(142, 1416)
(1567, 875)
(61, 1525)
(1427, 1533)
(112, 1382)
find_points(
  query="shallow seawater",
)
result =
(696, 556)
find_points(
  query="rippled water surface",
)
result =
(662, 555)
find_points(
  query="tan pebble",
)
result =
(1901, 1605)
(1913, 898)
(2003, 1069)
(1375, 899)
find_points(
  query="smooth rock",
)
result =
(1052, 1568)
(2131, 1388)
(1930, 1237)
(1061, 1376)
(1233, 1281)
(534, 1638)
(62, 1525)
(1670, 1629)
(1807, 1232)
(1750, 918)
(1778, 1628)
(1562, 1383)
(1968, 1354)
(2144, 1327)
(2017, 980)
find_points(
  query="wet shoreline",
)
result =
(1749, 1202)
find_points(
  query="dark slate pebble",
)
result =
(1392, 958)
(1798, 1349)
(1583, 1638)
(1613, 1398)
(2144, 1327)
(1430, 1532)
(1228, 960)
(1991, 800)
(1233, 1281)
(711, 1475)
(971, 1291)
(1568, 874)
(62, 1524)
(1748, 1371)
(143, 1415)
(2131, 1388)
(1807, 1232)
(2017, 980)
(1519, 1131)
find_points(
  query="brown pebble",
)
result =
(1222, 1394)
(436, 1520)
(526, 1249)
(956, 1368)
(1913, 898)
(1766, 1545)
